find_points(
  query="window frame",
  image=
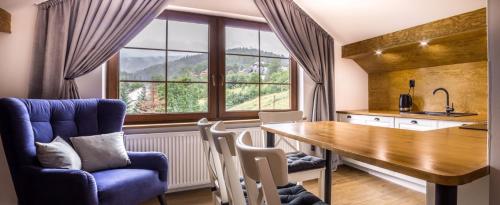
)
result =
(216, 78)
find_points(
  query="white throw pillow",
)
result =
(57, 154)
(99, 152)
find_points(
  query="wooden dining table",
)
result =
(446, 157)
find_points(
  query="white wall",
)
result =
(351, 85)
(16, 55)
(494, 103)
(16, 50)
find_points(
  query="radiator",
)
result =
(187, 164)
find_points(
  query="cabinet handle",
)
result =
(414, 122)
(377, 119)
(349, 117)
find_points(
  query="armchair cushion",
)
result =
(103, 151)
(127, 186)
(57, 154)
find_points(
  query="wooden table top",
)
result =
(394, 113)
(451, 156)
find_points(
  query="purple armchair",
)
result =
(24, 122)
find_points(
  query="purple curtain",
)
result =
(310, 45)
(74, 37)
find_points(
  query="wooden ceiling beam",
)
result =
(471, 21)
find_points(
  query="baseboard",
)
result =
(394, 177)
(201, 186)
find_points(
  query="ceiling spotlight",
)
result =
(378, 52)
(424, 43)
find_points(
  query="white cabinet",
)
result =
(416, 124)
(354, 119)
(401, 123)
(446, 124)
(378, 121)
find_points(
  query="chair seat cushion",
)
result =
(127, 186)
(299, 161)
(297, 195)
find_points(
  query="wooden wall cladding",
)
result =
(467, 84)
(5, 19)
(453, 40)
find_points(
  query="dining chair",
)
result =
(225, 149)
(301, 166)
(269, 166)
(218, 186)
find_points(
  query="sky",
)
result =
(194, 37)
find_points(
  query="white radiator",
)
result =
(187, 165)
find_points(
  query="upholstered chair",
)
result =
(26, 121)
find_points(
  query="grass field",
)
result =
(268, 102)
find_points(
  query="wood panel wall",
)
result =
(466, 83)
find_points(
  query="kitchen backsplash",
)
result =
(467, 84)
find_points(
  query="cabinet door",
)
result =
(446, 124)
(380, 121)
(416, 124)
(354, 119)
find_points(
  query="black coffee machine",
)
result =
(405, 100)
(405, 103)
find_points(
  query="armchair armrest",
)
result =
(150, 160)
(59, 185)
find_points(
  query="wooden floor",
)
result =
(350, 187)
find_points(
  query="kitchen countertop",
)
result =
(394, 113)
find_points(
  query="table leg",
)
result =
(446, 195)
(328, 177)
(269, 139)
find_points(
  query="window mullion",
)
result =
(166, 65)
(260, 66)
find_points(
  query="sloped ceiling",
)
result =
(346, 20)
(354, 20)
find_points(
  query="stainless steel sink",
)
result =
(452, 114)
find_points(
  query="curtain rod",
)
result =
(215, 13)
(38, 2)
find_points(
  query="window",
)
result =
(185, 66)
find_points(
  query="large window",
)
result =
(184, 66)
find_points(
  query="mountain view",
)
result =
(146, 65)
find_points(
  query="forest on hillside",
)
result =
(186, 77)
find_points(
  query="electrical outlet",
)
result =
(412, 83)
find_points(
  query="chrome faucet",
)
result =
(448, 108)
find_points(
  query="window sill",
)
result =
(182, 124)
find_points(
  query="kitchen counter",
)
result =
(394, 113)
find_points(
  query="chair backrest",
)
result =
(213, 160)
(267, 165)
(282, 117)
(26, 121)
(224, 144)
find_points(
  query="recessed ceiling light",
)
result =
(424, 43)
(378, 52)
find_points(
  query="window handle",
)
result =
(414, 122)
(221, 80)
(213, 80)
